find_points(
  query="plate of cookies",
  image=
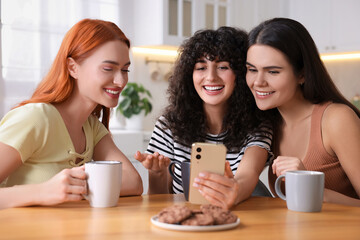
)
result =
(207, 218)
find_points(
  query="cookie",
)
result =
(199, 219)
(174, 214)
(220, 215)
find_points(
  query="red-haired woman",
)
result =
(45, 140)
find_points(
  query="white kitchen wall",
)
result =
(142, 73)
(346, 75)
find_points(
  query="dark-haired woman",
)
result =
(315, 127)
(210, 102)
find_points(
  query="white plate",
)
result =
(178, 227)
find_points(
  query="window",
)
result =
(31, 33)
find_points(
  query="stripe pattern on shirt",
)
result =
(162, 141)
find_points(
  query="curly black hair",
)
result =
(185, 115)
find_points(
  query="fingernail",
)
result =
(201, 175)
(196, 180)
(195, 185)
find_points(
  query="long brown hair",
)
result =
(78, 42)
(294, 41)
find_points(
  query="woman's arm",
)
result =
(157, 158)
(106, 149)
(341, 137)
(68, 185)
(157, 166)
(249, 170)
(11, 197)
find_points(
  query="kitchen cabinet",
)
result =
(333, 24)
(249, 13)
(169, 22)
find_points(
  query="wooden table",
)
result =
(261, 218)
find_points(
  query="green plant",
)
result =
(135, 99)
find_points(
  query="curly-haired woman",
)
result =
(209, 101)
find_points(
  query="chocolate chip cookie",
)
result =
(220, 215)
(199, 219)
(174, 214)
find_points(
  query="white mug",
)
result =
(304, 190)
(103, 182)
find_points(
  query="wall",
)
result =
(346, 75)
(142, 72)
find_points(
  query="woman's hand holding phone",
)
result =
(220, 190)
(207, 159)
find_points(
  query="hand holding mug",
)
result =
(282, 164)
(68, 185)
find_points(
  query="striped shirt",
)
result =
(162, 141)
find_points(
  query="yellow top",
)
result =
(38, 132)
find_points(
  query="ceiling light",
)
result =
(341, 56)
(171, 52)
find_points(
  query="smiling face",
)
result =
(271, 78)
(214, 81)
(102, 76)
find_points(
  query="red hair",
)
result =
(78, 42)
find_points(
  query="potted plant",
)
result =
(134, 105)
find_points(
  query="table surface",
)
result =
(260, 218)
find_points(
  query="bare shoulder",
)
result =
(338, 117)
(338, 111)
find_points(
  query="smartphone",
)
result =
(208, 157)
